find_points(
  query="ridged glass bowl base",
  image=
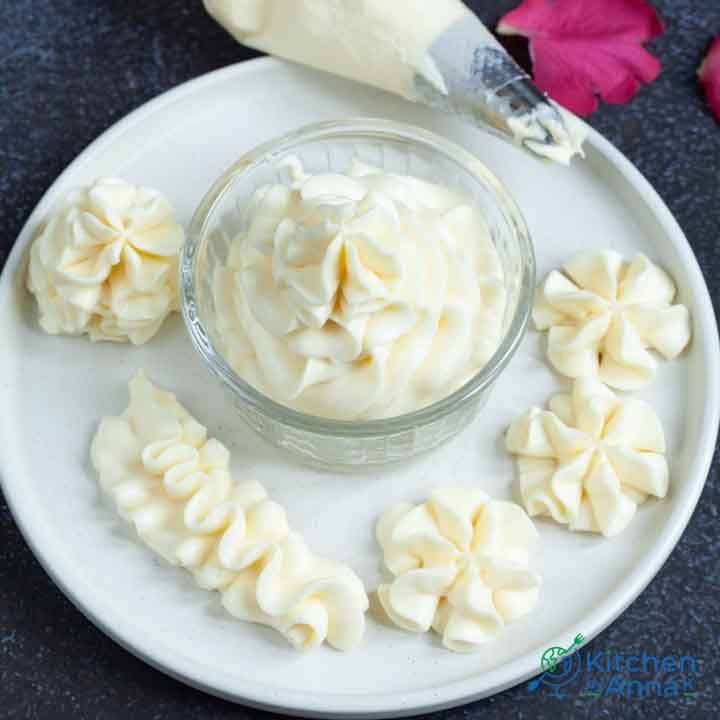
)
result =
(358, 454)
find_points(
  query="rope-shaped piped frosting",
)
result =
(174, 486)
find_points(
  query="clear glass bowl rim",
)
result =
(364, 128)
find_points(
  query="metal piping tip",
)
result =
(477, 80)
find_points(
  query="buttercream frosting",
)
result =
(441, 55)
(105, 263)
(566, 132)
(460, 563)
(359, 295)
(172, 483)
(385, 44)
(604, 314)
(591, 459)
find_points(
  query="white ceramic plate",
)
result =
(55, 389)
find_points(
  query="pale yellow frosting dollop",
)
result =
(105, 263)
(591, 459)
(359, 295)
(604, 315)
(460, 563)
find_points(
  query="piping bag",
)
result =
(435, 52)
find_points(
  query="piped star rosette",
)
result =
(173, 485)
(105, 263)
(604, 315)
(591, 459)
(460, 563)
(359, 295)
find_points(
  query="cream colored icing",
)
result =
(377, 42)
(605, 313)
(360, 295)
(105, 263)
(172, 483)
(441, 55)
(567, 136)
(460, 563)
(591, 459)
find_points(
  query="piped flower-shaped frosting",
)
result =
(460, 562)
(359, 295)
(591, 459)
(173, 485)
(605, 314)
(105, 263)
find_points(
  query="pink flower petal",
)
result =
(582, 49)
(709, 74)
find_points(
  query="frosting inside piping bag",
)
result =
(380, 43)
(442, 56)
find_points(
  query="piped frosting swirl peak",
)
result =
(591, 459)
(359, 295)
(105, 263)
(605, 314)
(173, 485)
(460, 563)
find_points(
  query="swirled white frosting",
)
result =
(591, 459)
(604, 314)
(461, 566)
(105, 263)
(173, 485)
(359, 295)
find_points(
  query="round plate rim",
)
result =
(386, 705)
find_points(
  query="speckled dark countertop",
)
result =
(68, 70)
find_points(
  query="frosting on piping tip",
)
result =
(591, 459)
(549, 120)
(173, 485)
(460, 563)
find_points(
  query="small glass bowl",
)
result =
(323, 147)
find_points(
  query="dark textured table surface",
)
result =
(68, 70)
